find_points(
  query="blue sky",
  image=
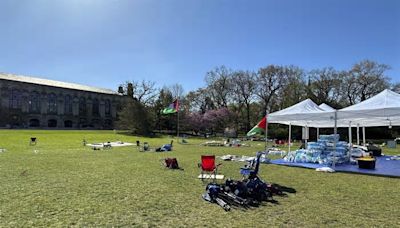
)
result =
(103, 43)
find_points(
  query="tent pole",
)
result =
(350, 140)
(317, 133)
(364, 141)
(334, 142)
(306, 136)
(358, 134)
(290, 135)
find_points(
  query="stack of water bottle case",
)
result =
(322, 151)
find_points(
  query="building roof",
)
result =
(53, 83)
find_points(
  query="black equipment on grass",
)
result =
(251, 191)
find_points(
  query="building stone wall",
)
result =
(27, 105)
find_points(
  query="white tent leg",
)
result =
(317, 133)
(350, 140)
(290, 135)
(364, 141)
(334, 142)
(358, 134)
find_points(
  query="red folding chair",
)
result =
(208, 166)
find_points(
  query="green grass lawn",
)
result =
(59, 182)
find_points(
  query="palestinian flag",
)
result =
(259, 128)
(172, 108)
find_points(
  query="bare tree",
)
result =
(244, 87)
(349, 88)
(219, 85)
(177, 90)
(293, 90)
(199, 101)
(270, 80)
(370, 77)
(145, 91)
(324, 85)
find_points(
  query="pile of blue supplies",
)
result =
(321, 152)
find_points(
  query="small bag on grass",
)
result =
(171, 163)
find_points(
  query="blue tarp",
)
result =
(383, 167)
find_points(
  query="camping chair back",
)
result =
(208, 163)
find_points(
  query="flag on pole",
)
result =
(259, 128)
(172, 108)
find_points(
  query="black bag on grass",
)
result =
(171, 163)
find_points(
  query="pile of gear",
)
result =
(249, 192)
(323, 151)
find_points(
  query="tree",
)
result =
(348, 88)
(177, 91)
(145, 91)
(324, 85)
(134, 117)
(270, 80)
(219, 86)
(293, 90)
(371, 78)
(199, 101)
(164, 99)
(244, 87)
(363, 81)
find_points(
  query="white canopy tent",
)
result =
(380, 110)
(326, 107)
(305, 113)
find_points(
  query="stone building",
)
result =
(27, 102)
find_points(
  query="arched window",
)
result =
(95, 107)
(52, 103)
(107, 107)
(68, 124)
(34, 102)
(34, 123)
(15, 99)
(68, 104)
(82, 106)
(52, 123)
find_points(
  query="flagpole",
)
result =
(266, 129)
(177, 131)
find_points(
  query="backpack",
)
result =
(171, 163)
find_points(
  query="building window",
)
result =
(34, 102)
(82, 106)
(52, 123)
(68, 124)
(68, 104)
(52, 103)
(34, 123)
(15, 99)
(107, 107)
(95, 107)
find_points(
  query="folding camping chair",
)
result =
(207, 165)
